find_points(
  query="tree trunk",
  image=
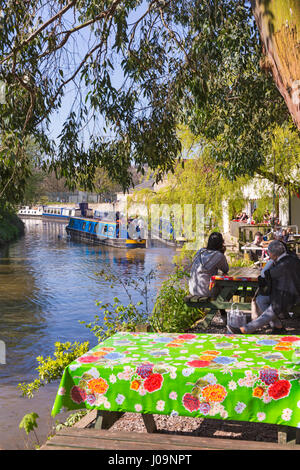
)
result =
(278, 22)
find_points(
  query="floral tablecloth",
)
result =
(213, 279)
(237, 377)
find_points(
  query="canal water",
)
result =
(48, 284)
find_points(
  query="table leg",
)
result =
(105, 419)
(288, 435)
(149, 423)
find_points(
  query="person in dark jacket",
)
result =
(280, 289)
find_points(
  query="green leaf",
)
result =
(28, 422)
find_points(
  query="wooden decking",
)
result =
(95, 439)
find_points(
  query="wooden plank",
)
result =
(115, 444)
(288, 435)
(86, 420)
(105, 419)
(96, 439)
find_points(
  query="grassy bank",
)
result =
(11, 227)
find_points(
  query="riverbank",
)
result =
(11, 227)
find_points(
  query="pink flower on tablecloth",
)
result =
(204, 408)
(88, 359)
(90, 399)
(78, 394)
(198, 363)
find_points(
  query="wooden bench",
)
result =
(95, 439)
(216, 305)
(92, 432)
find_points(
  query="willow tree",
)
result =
(135, 70)
(279, 25)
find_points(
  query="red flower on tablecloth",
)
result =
(88, 359)
(190, 402)
(153, 382)
(78, 394)
(279, 389)
(289, 339)
(187, 336)
(198, 363)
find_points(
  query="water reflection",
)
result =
(48, 283)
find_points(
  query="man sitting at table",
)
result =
(280, 290)
(256, 254)
(206, 263)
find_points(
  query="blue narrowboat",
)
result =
(102, 232)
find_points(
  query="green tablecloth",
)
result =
(231, 377)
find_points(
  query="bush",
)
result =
(170, 312)
(11, 227)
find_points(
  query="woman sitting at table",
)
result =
(206, 263)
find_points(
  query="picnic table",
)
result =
(220, 376)
(239, 282)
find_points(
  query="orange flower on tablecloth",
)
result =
(258, 392)
(135, 385)
(207, 358)
(282, 347)
(99, 353)
(174, 345)
(98, 385)
(214, 393)
(213, 353)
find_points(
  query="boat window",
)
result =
(105, 228)
(83, 225)
(96, 227)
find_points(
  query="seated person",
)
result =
(244, 217)
(206, 263)
(280, 285)
(256, 254)
(285, 235)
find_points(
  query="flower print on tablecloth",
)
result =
(269, 383)
(206, 397)
(91, 389)
(243, 377)
(147, 377)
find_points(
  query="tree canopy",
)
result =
(137, 70)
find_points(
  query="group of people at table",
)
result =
(267, 218)
(279, 281)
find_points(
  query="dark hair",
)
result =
(258, 234)
(215, 241)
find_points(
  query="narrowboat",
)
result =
(164, 233)
(102, 232)
(28, 211)
(58, 212)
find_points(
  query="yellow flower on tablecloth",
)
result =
(214, 393)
